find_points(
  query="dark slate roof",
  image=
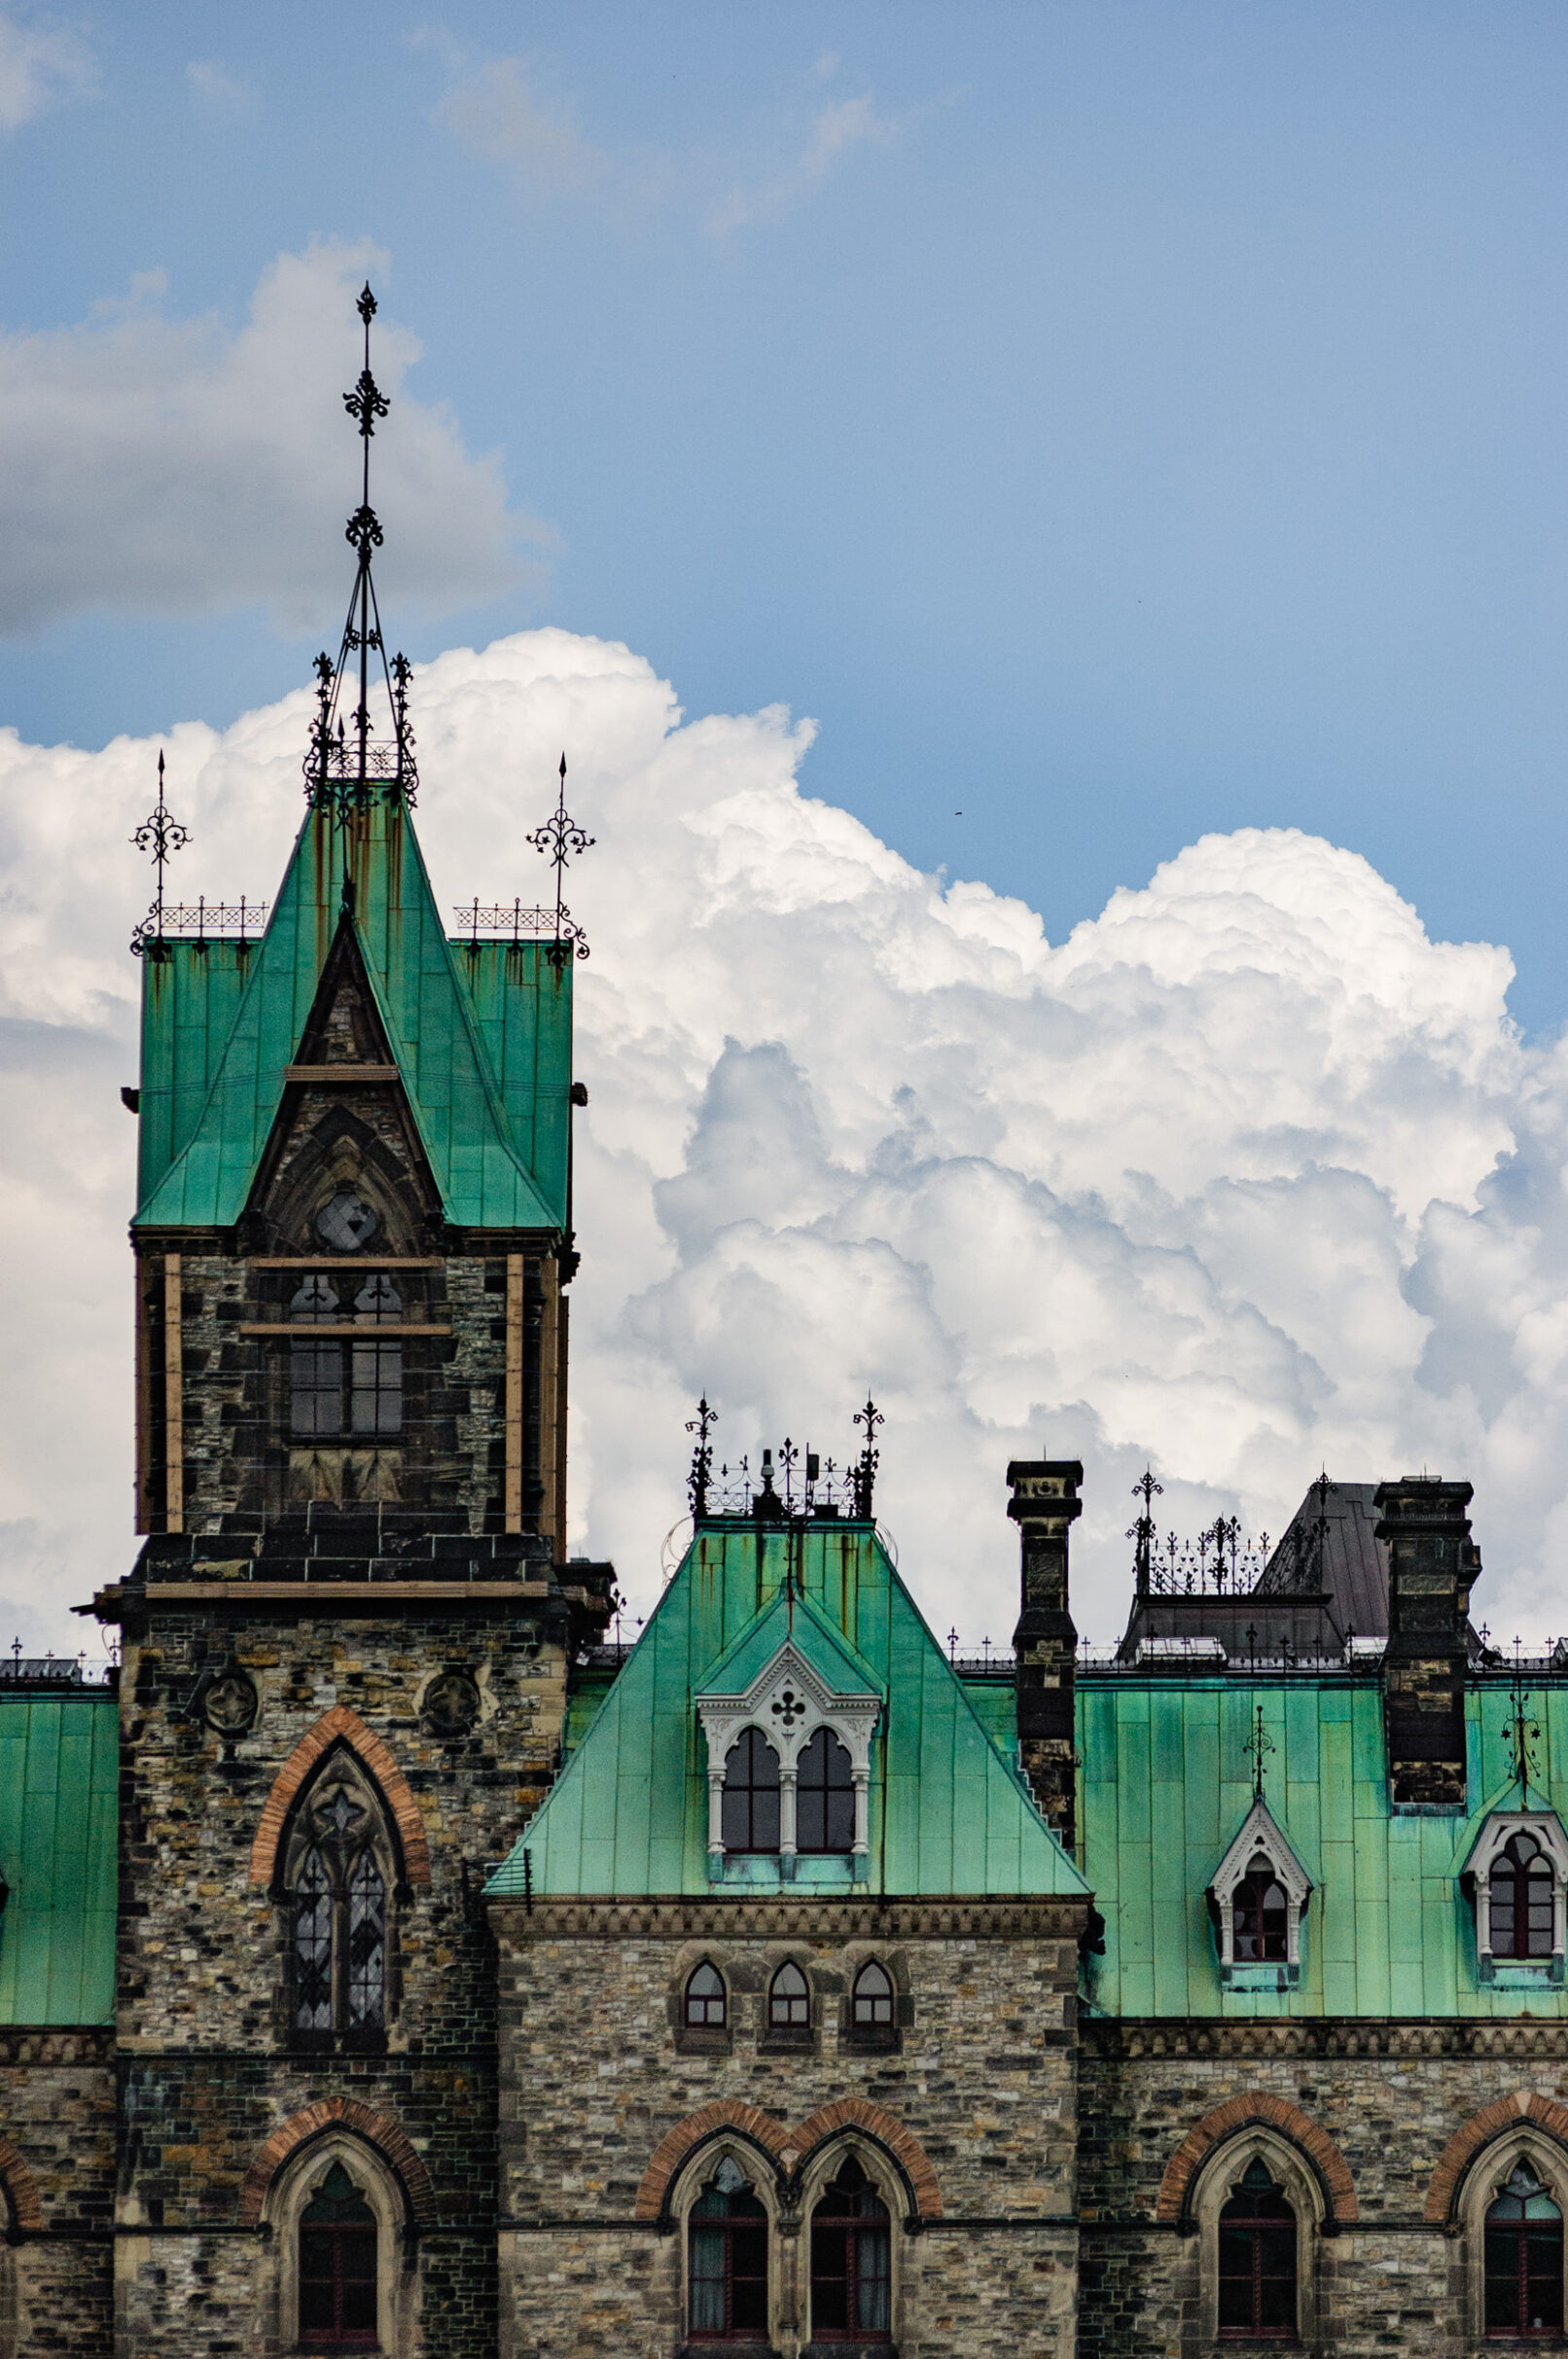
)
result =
(1305, 1601)
(1354, 1572)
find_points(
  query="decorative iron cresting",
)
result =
(1219, 1563)
(562, 841)
(790, 1483)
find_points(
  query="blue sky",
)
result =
(1111, 423)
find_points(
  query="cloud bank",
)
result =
(1245, 1178)
(166, 465)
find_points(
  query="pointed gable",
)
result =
(220, 1035)
(629, 1813)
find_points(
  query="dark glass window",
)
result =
(341, 1388)
(340, 1919)
(851, 2262)
(1258, 2259)
(367, 1945)
(1524, 2258)
(312, 1945)
(825, 1796)
(789, 1999)
(872, 1997)
(1521, 1899)
(728, 2260)
(1259, 1916)
(750, 1820)
(705, 1997)
(337, 2268)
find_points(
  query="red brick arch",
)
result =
(341, 1725)
(728, 2113)
(1505, 2113)
(378, 2130)
(21, 2192)
(1239, 2113)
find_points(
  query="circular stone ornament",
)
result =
(452, 1703)
(230, 1703)
(346, 1222)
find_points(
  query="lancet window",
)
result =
(1521, 1901)
(1517, 1872)
(1257, 2257)
(825, 1796)
(337, 2268)
(1524, 2258)
(339, 1884)
(871, 1998)
(706, 1998)
(751, 1794)
(726, 2261)
(789, 1999)
(851, 2261)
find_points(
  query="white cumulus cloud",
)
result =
(1245, 1178)
(41, 66)
(156, 463)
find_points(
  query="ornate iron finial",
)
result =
(698, 1480)
(561, 839)
(1260, 1745)
(161, 835)
(1142, 1532)
(1523, 1732)
(863, 1474)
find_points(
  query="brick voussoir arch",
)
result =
(725, 2113)
(1240, 2113)
(1504, 2113)
(378, 2130)
(21, 2192)
(341, 1725)
(859, 2113)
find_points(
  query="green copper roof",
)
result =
(948, 1813)
(482, 1038)
(59, 1767)
(1167, 1782)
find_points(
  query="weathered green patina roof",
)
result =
(629, 1814)
(482, 1038)
(60, 1769)
(1167, 1782)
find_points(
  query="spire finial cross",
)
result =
(161, 835)
(561, 839)
(698, 1480)
(1260, 1745)
(1523, 1732)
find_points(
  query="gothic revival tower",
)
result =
(347, 1637)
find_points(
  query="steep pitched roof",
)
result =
(482, 1037)
(949, 1815)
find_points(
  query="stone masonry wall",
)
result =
(1390, 2097)
(596, 2071)
(58, 2117)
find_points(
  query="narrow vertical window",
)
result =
(825, 1796)
(1260, 1923)
(375, 1398)
(1523, 2259)
(706, 1997)
(366, 1945)
(789, 1999)
(1258, 2259)
(337, 2268)
(1522, 1910)
(750, 1820)
(339, 1884)
(315, 1370)
(728, 2260)
(872, 1998)
(312, 1944)
(851, 2262)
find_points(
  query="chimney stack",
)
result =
(1432, 1563)
(1043, 1505)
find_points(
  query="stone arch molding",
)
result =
(787, 2149)
(1481, 2130)
(378, 2130)
(20, 2192)
(1253, 2107)
(341, 1725)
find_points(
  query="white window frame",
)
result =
(1498, 1830)
(787, 1703)
(1260, 1833)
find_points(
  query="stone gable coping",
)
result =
(378, 2130)
(1504, 2113)
(341, 1725)
(728, 2113)
(21, 2192)
(1239, 2113)
(608, 1917)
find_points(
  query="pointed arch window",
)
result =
(789, 1999)
(825, 1796)
(726, 2261)
(1523, 2259)
(751, 1794)
(337, 2268)
(1522, 1908)
(706, 1998)
(851, 2261)
(1258, 2259)
(1260, 1916)
(871, 1998)
(339, 1880)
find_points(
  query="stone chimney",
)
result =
(1432, 1562)
(1043, 1505)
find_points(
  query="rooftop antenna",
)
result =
(562, 841)
(161, 835)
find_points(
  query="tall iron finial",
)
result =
(1142, 1532)
(1523, 1732)
(161, 835)
(1260, 1745)
(698, 1480)
(561, 839)
(338, 774)
(863, 1474)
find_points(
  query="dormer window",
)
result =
(751, 1795)
(1521, 1899)
(1259, 1916)
(1518, 1871)
(825, 1796)
(1259, 1896)
(789, 1770)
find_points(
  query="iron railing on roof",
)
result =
(17, 1669)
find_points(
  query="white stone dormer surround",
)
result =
(1259, 1836)
(788, 1702)
(1496, 1832)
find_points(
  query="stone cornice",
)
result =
(607, 1917)
(57, 2044)
(1152, 2039)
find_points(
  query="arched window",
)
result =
(750, 1820)
(1521, 1899)
(338, 1874)
(1523, 2255)
(1258, 2258)
(728, 2260)
(872, 1998)
(706, 2000)
(337, 2290)
(851, 2262)
(789, 1999)
(1260, 1916)
(825, 1796)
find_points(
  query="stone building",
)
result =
(388, 1962)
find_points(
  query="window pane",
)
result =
(317, 2281)
(367, 1945)
(707, 2280)
(749, 1819)
(748, 2279)
(316, 1389)
(873, 2280)
(1542, 2247)
(830, 2278)
(825, 1796)
(1503, 2290)
(705, 1996)
(874, 1995)
(313, 1947)
(356, 2260)
(377, 1405)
